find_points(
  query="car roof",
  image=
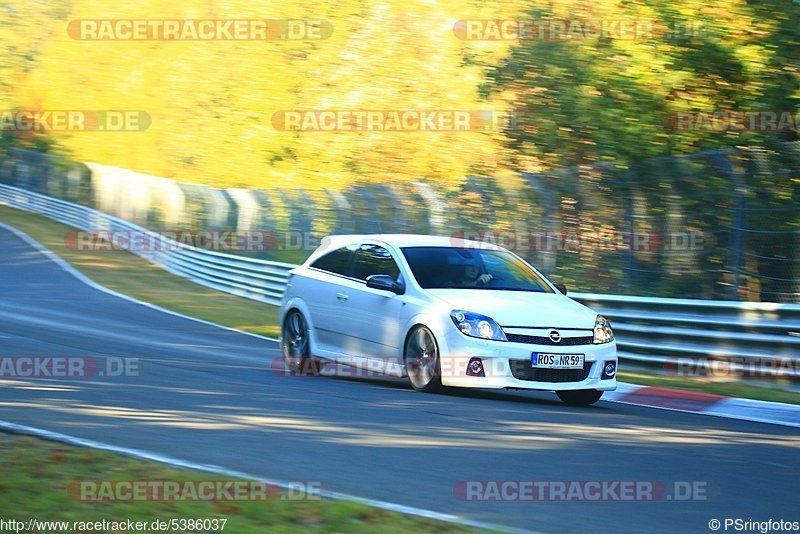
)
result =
(333, 242)
(408, 240)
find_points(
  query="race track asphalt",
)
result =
(209, 395)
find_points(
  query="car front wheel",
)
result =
(421, 355)
(580, 397)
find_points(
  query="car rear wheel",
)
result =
(421, 355)
(295, 345)
(580, 397)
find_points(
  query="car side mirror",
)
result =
(385, 282)
(561, 287)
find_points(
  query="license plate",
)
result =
(545, 360)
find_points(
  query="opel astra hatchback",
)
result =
(443, 312)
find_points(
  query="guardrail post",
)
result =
(736, 239)
(436, 207)
(247, 208)
(343, 211)
(547, 222)
(301, 219)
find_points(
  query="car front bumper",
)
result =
(497, 357)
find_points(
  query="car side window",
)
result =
(374, 259)
(335, 262)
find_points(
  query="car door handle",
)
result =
(342, 296)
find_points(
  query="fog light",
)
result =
(609, 370)
(475, 367)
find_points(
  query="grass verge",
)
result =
(131, 275)
(36, 475)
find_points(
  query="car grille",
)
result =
(522, 370)
(544, 340)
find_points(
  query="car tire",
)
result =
(295, 346)
(421, 358)
(580, 397)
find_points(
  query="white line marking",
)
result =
(711, 413)
(91, 283)
(726, 408)
(208, 468)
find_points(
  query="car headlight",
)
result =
(602, 330)
(477, 325)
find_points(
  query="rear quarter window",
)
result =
(335, 262)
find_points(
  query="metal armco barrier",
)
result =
(255, 279)
(658, 332)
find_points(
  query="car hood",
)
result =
(520, 308)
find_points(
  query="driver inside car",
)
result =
(472, 277)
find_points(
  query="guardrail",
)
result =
(674, 332)
(251, 278)
(650, 331)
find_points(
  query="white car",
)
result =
(443, 312)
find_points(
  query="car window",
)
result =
(335, 262)
(374, 259)
(472, 268)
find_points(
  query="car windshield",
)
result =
(472, 268)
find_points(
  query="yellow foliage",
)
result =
(211, 101)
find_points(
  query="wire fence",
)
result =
(713, 225)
